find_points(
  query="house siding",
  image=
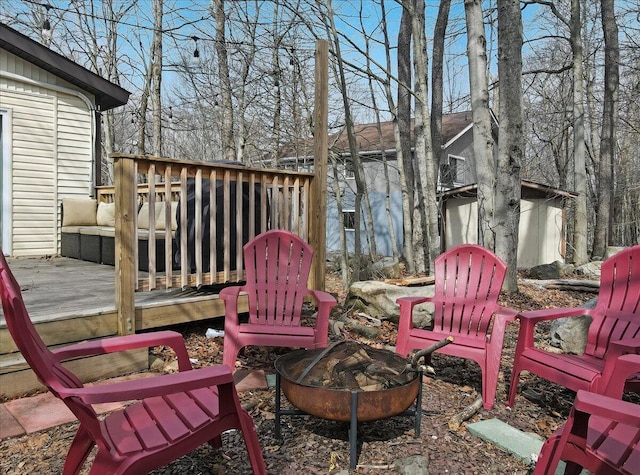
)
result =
(50, 154)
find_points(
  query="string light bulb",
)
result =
(196, 51)
(170, 113)
(46, 24)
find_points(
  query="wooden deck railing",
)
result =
(219, 207)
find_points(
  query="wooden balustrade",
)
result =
(225, 205)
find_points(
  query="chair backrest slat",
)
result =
(468, 283)
(278, 264)
(617, 313)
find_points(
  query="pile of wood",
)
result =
(350, 365)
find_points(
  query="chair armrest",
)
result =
(628, 345)
(150, 387)
(172, 339)
(230, 297)
(502, 318)
(605, 406)
(528, 321)
(618, 368)
(412, 301)
(323, 298)
(506, 314)
(230, 294)
(535, 316)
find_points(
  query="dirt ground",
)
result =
(318, 446)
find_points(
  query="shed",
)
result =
(542, 221)
(50, 135)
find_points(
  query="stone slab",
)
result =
(523, 445)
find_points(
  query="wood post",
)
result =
(125, 242)
(318, 199)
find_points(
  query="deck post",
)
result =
(318, 199)
(126, 194)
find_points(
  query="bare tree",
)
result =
(403, 146)
(580, 253)
(437, 71)
(227, 126)
(482, 135)
(425, 163)
(608, 136)
(156, 76)
(510, 139)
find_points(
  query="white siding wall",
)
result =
(540, 240)
(51, 153)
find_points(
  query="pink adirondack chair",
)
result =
(602, 433)
(468, 280)
(277, 265)
(614, 330)
(175, 413)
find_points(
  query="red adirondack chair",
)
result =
(468, 280)
(175, 413)
(277, 265)
(602, 433)
(614, 330)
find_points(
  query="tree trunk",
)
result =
(425, 162)
(437, 67)
(156, 74)
(608, 137)
(482, 136)
(405, 162)
(580, 254)
(510, 139)
(353, 146)
(227, 130)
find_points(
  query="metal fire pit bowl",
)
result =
(336, 403)
(343, 403)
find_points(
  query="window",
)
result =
(349, 218)
(348, 169)
(453, 171)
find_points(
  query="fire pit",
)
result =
(349, 382)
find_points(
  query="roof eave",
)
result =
(107, 94)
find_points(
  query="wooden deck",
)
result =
(58, 288)
(71, 300)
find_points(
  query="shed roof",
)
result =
(529, 190)
(108, 95)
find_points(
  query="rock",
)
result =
(590, 269)
(378, 299)
(555, 270)
(387, 267)
(413, 465)
(611, 250)
(570, 334)
(155, 363)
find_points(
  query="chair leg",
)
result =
(489, 385)
(252, 443)
(78, 452)
(230, 353)
(513, 386)
(216, 442)
(545, 464)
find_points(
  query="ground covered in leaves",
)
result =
(317, 446)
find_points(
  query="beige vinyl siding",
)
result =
(33, 174)
(51, 154)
